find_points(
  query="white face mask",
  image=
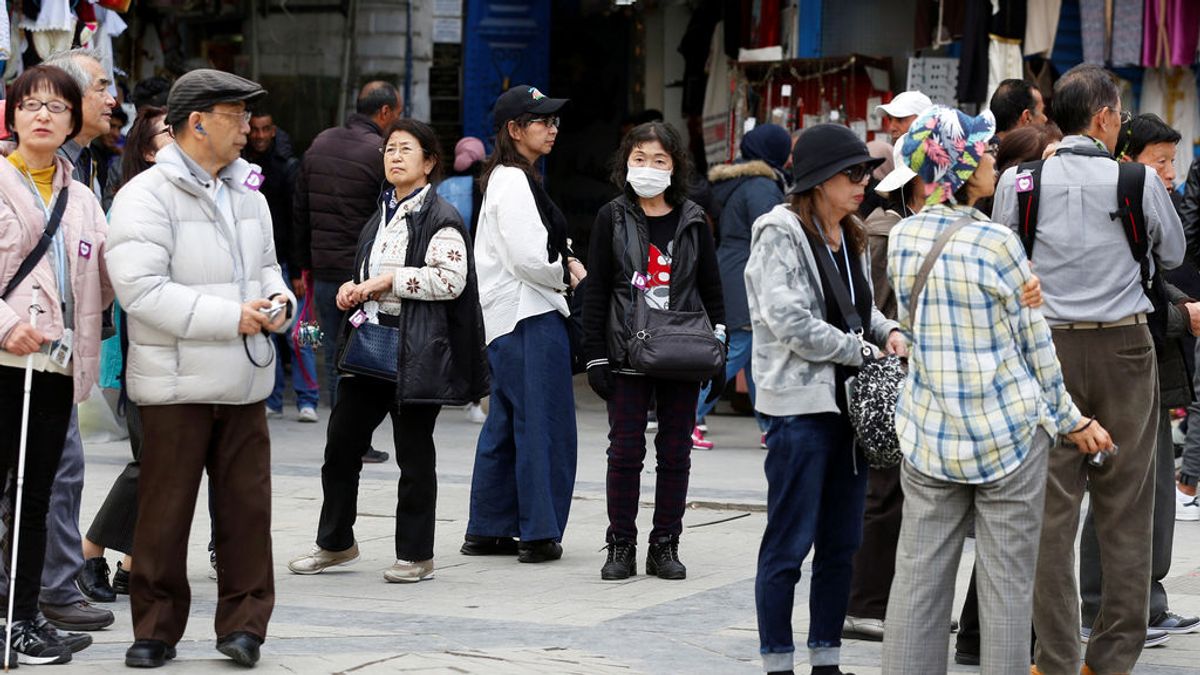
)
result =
(648, 182)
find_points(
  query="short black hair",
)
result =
(151, 91)
(58, 81)
(119, 113)
(1140, 131)
(1011, 98)
(1081, 93)
(374, 96)
(426, 137)
(665, 134)
(261, 111)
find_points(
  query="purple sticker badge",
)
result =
(1025, 182)
(85, 249)
(254, 181)
(639, 281)
(358, 318)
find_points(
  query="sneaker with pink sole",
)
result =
(698, 442)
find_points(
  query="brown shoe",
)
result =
(81, 615)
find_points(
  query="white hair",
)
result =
(69, 62)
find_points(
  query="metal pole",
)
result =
(408, 58)
(347, 85)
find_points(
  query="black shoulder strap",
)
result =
(840, 292)
(35, 256)
(1029, 188)
(1130, 182)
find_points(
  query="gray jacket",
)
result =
(795, 348)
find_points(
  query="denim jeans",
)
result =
(740, 343)
(525, 458)
(304, 375)
(816, 489)
(325, 296)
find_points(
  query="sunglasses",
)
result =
(857, 173)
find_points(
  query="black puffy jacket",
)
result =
(340, 180)
(443, 358)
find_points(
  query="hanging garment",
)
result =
(55, 15)
(111, 26)
(1095, 27)
(1170, 34)
(1170, 93)
(1041, 23)
(938, 22)
(1127, 32)
(5, 37)
(973, 65)
(1004, 62)
(47, 42)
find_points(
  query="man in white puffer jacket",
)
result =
(193, 263)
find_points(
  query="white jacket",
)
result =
(516, 281)
(171, 259)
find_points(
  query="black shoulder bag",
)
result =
(39, 250)
(667, 343)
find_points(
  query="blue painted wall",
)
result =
(506, 42)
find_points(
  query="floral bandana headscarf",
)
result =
(943, 147)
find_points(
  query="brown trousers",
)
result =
(180, 443)
(1110, 373)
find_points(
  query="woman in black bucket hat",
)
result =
(806, 255)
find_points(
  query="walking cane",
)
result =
(15, 530)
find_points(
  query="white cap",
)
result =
(900, 174)
(906, 104)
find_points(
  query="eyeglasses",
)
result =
(398, 151)
(856, 173)
(245, 116)
(166, 130)
(34, 105)
(551, 121)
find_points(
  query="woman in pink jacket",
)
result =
(68, 283)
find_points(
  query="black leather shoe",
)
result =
(476, 545)
(374, 456)
(240, 646)
(662, 560)
(541, 550)
(120, 582)
(622, 561)
(92, 580)
(148, 654)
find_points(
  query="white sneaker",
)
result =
(273, 414)
(405, 571)
(320, 559)
(308, 415)
(1187, 507)
(475, 413)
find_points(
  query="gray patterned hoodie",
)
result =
(795, 349)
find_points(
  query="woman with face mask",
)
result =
(675, 267)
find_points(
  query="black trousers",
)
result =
(362, 403)
(875, 562)
(50, 404)
(114, 522)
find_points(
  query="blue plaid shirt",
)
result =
(983, 375)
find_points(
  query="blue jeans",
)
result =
(325, 297)
(525, 458)
(304, 375)
(740, 343)
(815, 498)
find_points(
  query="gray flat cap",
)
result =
(203, 88)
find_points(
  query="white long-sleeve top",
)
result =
(516, 279)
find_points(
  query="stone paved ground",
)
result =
(489, 615)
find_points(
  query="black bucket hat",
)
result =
(822, 151)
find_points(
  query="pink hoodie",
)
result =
(84, 227)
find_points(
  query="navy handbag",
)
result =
(373, 350)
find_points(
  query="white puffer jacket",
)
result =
(171, 259)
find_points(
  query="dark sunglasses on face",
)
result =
(857, 173)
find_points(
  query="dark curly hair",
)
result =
(665, 134)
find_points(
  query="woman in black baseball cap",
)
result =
(814, 323)
(525, 459)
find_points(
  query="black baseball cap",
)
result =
(521, 99)
(201, 89)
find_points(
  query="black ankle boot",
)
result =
(622, 561)
(92, 580)
(120, 580)
(663, 559)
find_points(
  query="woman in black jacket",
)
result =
(414, 271)
(674, 267)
